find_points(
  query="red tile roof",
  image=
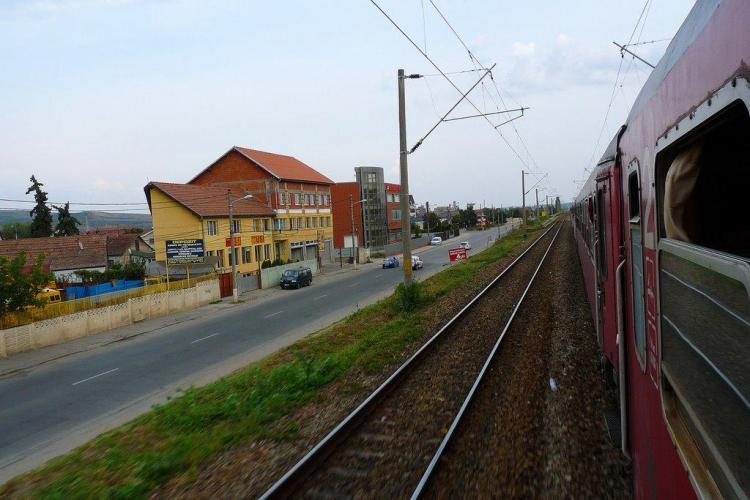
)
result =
(207, 201)
(119, 244)
(283, 167)
(61, 252)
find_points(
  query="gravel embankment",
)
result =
(388, 452)
(248, 470)
(520, 438)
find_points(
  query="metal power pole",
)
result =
(351, 212)
(523, 196)
(405, 228)
(231, 243)
(537, 204)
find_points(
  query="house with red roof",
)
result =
(298, 195)
(63, 255)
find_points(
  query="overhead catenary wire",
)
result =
(476, 61)
(434, 65)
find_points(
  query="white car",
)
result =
(465, 244)
(416, 262)
(437, 240)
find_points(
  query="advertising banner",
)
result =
(185, 251)
(456, 254)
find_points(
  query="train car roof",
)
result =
(689, 31)
(691, 28)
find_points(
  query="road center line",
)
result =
(98, 375)
(354, 284)
(274, 314)
(320, 297)
(204, 338)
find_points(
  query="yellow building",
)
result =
(185, 211)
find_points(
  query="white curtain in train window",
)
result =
(681, 209)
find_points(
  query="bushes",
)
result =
(409, 297)
(273, 263)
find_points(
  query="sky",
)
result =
(97, 98)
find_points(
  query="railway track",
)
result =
(390, 444)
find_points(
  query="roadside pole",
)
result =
(231, 238)
(405, 228)
(523, 196)
(351, 212)
(536, 215)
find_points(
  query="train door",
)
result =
(605, 279)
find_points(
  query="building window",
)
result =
(266, 225)
(236, 226)
(307, 222)
(236, 254)
(329, 221)
(297, 200)
(257, 253)
(246, 255)
(293, 223)
(372, 177)
(314, 222)
(396, 214)
(256, 225)
(211, 227)
(267, 252)
(220, 254)
(279, 224)
(315, 200)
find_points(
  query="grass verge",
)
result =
(175, 438)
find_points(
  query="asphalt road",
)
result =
(56, 406)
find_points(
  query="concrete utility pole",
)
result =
(354, 245)
(427, 216)
(523, 195)
(405, 228)
(235, 297)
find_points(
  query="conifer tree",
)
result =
(67, 225)
(41, 224)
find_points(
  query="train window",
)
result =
(636, 263)
(705, 325)
(702, 183)
(601, 236)
(704, 276)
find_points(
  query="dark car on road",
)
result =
(390, 262)
(296, 278)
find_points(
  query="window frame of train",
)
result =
(638, 290)
(704, 305)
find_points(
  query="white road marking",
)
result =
(354, 284)
(274, 314)
(98, 375)
(320, 297)
(379, 275)
(204, 338)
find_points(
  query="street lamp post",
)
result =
(230, 204)
(351, 213)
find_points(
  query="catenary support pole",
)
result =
(536, 214)
(523, 196)
(405, 228)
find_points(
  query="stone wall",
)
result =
(65, 328)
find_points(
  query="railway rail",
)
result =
(398, 433)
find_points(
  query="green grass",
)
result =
(172, 440)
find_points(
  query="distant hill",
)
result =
(94, 218)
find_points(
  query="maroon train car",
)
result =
(663, 233)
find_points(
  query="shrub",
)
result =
(410, 296)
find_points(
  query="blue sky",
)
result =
(99, 97)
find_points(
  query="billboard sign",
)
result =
(457, 254)
(237, 241)
(185, 252)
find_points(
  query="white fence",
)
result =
(271, 276)
(72, 326)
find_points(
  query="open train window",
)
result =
(703, 181)
(704, 285)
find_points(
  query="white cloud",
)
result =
(521, 49)
(107, 185)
